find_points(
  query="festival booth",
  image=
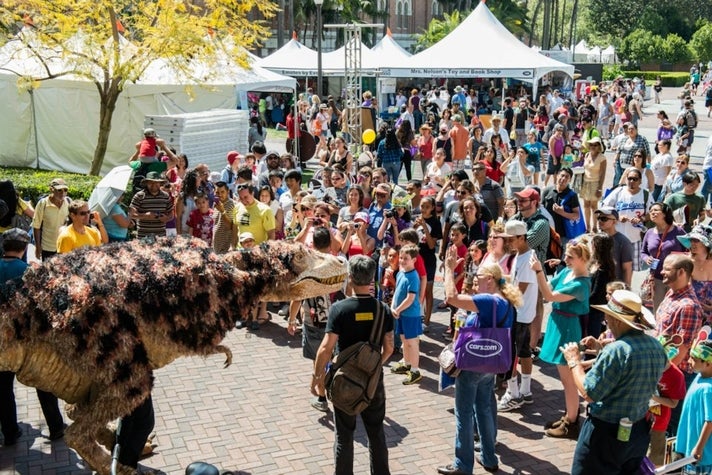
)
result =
(503, 57)
(55, 124)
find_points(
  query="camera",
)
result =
(388, 213)
(357, 225)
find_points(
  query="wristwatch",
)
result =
(573, 364)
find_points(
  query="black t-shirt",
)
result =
(352, 319)
(509, 118)
(551, 197)
(436, 232)
(521, 119)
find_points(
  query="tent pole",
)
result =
(34, 128)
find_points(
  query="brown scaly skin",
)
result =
(92, 325)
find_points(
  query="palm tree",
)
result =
(437, 30)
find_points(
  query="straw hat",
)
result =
(626, 306)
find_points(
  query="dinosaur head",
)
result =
(295, 272)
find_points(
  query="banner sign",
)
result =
(458, 73)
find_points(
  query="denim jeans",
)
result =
(393, 170)
(707, 186)
(344, 427)
(618, 173)
(474, 404)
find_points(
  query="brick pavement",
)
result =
(255, 417)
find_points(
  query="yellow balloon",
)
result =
(368, 136)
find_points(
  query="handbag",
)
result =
(573, 227)
(447, 361)
(647, 288)
(21, 221)
(485, 350)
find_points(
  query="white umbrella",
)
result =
(107, 192)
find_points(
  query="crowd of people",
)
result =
(502, 204)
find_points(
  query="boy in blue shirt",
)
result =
(695, 428)
(406, 310)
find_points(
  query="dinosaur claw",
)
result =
(227, 352)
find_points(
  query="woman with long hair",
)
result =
(354, 204)
(603, 271)
(390, 154)
(640, 163)
(659, 242)
(436, 173)
(488, 156)
(476, 141)
(406, 138)
(492, 305)
(569, 292)
(430, 232)
(425, 146)
(266, 195)
(699, 242)
(444, 142)
(340, 156)
(673, 182)
(185, 204)
(256, 132)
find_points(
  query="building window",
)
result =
(399, 14)
(435, 8)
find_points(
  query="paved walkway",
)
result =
(254, 417)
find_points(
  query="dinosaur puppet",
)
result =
(92, 325)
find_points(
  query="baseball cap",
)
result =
(149, 132)
(514, 227)
(607, 211)
(58, 184)
(363, 217)
(16, 234)
(528, 193)
(246, 236)
(383, 188)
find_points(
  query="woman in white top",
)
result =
(436, 173)
(640, 162)
(515, 168)
(661, 165)
(498, 249)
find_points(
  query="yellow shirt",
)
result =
(69, 239)
(50, 219)
(22, 205)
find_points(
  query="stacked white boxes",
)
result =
(205, 137)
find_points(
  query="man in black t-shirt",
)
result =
(562, 202)
(350, 322)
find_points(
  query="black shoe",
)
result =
(494, 469)
(451, 470)
(57, 434)
(12, 440)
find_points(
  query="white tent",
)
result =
(388, 50)
(335, 61)
(56, 125)
(292, 59)
(504, 57)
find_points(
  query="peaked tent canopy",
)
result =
(292, 59)
(336, 60)
(506, 58)
(386, 51)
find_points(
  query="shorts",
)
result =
(409, 327)
(534, 163)
(588, 191)
(550, 168)
(521, 340)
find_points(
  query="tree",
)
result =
(641, 46)
(675, 49)
(91, 37)
(437, 30)
(701, 43)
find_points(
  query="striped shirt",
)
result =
(222, 231)
(144, 202)
(624, 377)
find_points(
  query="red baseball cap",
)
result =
(232, 156)
(528, 193)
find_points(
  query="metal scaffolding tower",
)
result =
(353, 74)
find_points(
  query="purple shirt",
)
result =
(651, 243)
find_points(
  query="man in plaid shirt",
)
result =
(679, 313)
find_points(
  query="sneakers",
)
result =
(321, 406)
(509, 403)
(565, 430)
(412, 377)
(535, 353)
(400, 368)
(528, 398)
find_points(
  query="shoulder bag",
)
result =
(353, 377)
(647, 288)
(485, 350)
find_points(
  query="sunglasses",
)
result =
(603, 219)
(633, 178)
(83, 213)
(244, 186)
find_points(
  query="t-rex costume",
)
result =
(92, 325)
